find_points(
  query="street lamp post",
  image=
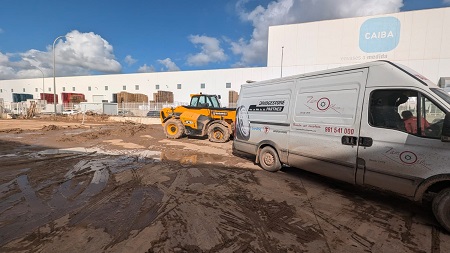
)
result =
(54, 71)
(43, 91)
(282, 52)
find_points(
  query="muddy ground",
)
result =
(124, 187)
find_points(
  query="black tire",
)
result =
(174, 129)
(218, 133)
(269, 160)
(441, 208)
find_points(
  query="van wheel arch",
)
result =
(432, 185)
(441, 208)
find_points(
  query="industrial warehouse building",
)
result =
(417, 39)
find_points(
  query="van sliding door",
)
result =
(325, 129)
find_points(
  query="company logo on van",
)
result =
(268, 106)
(379, 34)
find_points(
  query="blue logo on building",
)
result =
(379, 34)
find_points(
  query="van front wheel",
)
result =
(268, 159)
(441, 208)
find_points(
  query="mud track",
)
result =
(122, 187)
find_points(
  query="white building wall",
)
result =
(423, 43)
(214, 80)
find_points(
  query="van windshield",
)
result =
(442, 94)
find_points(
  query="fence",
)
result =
(150, 109)
(21, 108)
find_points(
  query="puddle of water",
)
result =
(8, 155)
(194, 147)
(119, 142)
(189, 160)
(136, 153)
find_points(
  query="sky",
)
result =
(138, 36)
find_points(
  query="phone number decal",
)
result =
(339, 130)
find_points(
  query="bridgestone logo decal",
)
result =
(268, 106)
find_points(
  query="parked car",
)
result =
(153, 114)
(125, 113)
(70, 112)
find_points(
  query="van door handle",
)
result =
(365, 141)
(349, 140)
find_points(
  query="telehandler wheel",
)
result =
(441, 208)
(174, 129)
(268, 159)
(218, 133)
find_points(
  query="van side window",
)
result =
(386, 106)
(433, 118)
(407, 111)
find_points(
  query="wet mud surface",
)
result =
(122, 187)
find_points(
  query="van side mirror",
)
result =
(219, 97)
(445, 136)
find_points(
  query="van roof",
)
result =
(402, 68)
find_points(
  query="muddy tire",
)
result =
(218, 133)
(174, 129)
(269, 160)
(441, 208)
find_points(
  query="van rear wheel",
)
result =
(174, 129)
(441, 208)
(218, 133)
(268, 159)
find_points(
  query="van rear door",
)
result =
(326, 121)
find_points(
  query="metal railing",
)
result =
(149, 109)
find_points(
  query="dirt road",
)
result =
(122, 187)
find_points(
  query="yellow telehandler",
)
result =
(202, 117)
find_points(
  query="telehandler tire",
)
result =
(174, 129)
(218, 133)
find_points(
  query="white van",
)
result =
(374, 124)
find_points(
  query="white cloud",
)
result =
(169, 65)
(76, 54)
(1, 30)
(146, 69)
(129, 60)
(89, 51)
(446, 1)
(210, 51)
(254, 51)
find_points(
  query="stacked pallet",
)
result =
(77, 98)
(232, 98)
(163, 97)
(126, 97)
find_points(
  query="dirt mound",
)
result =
(50, 128)
(12, 130)
(131, 128)
(96, 134)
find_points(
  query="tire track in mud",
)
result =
(363, 218)
(253, 225)
(23, 210)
